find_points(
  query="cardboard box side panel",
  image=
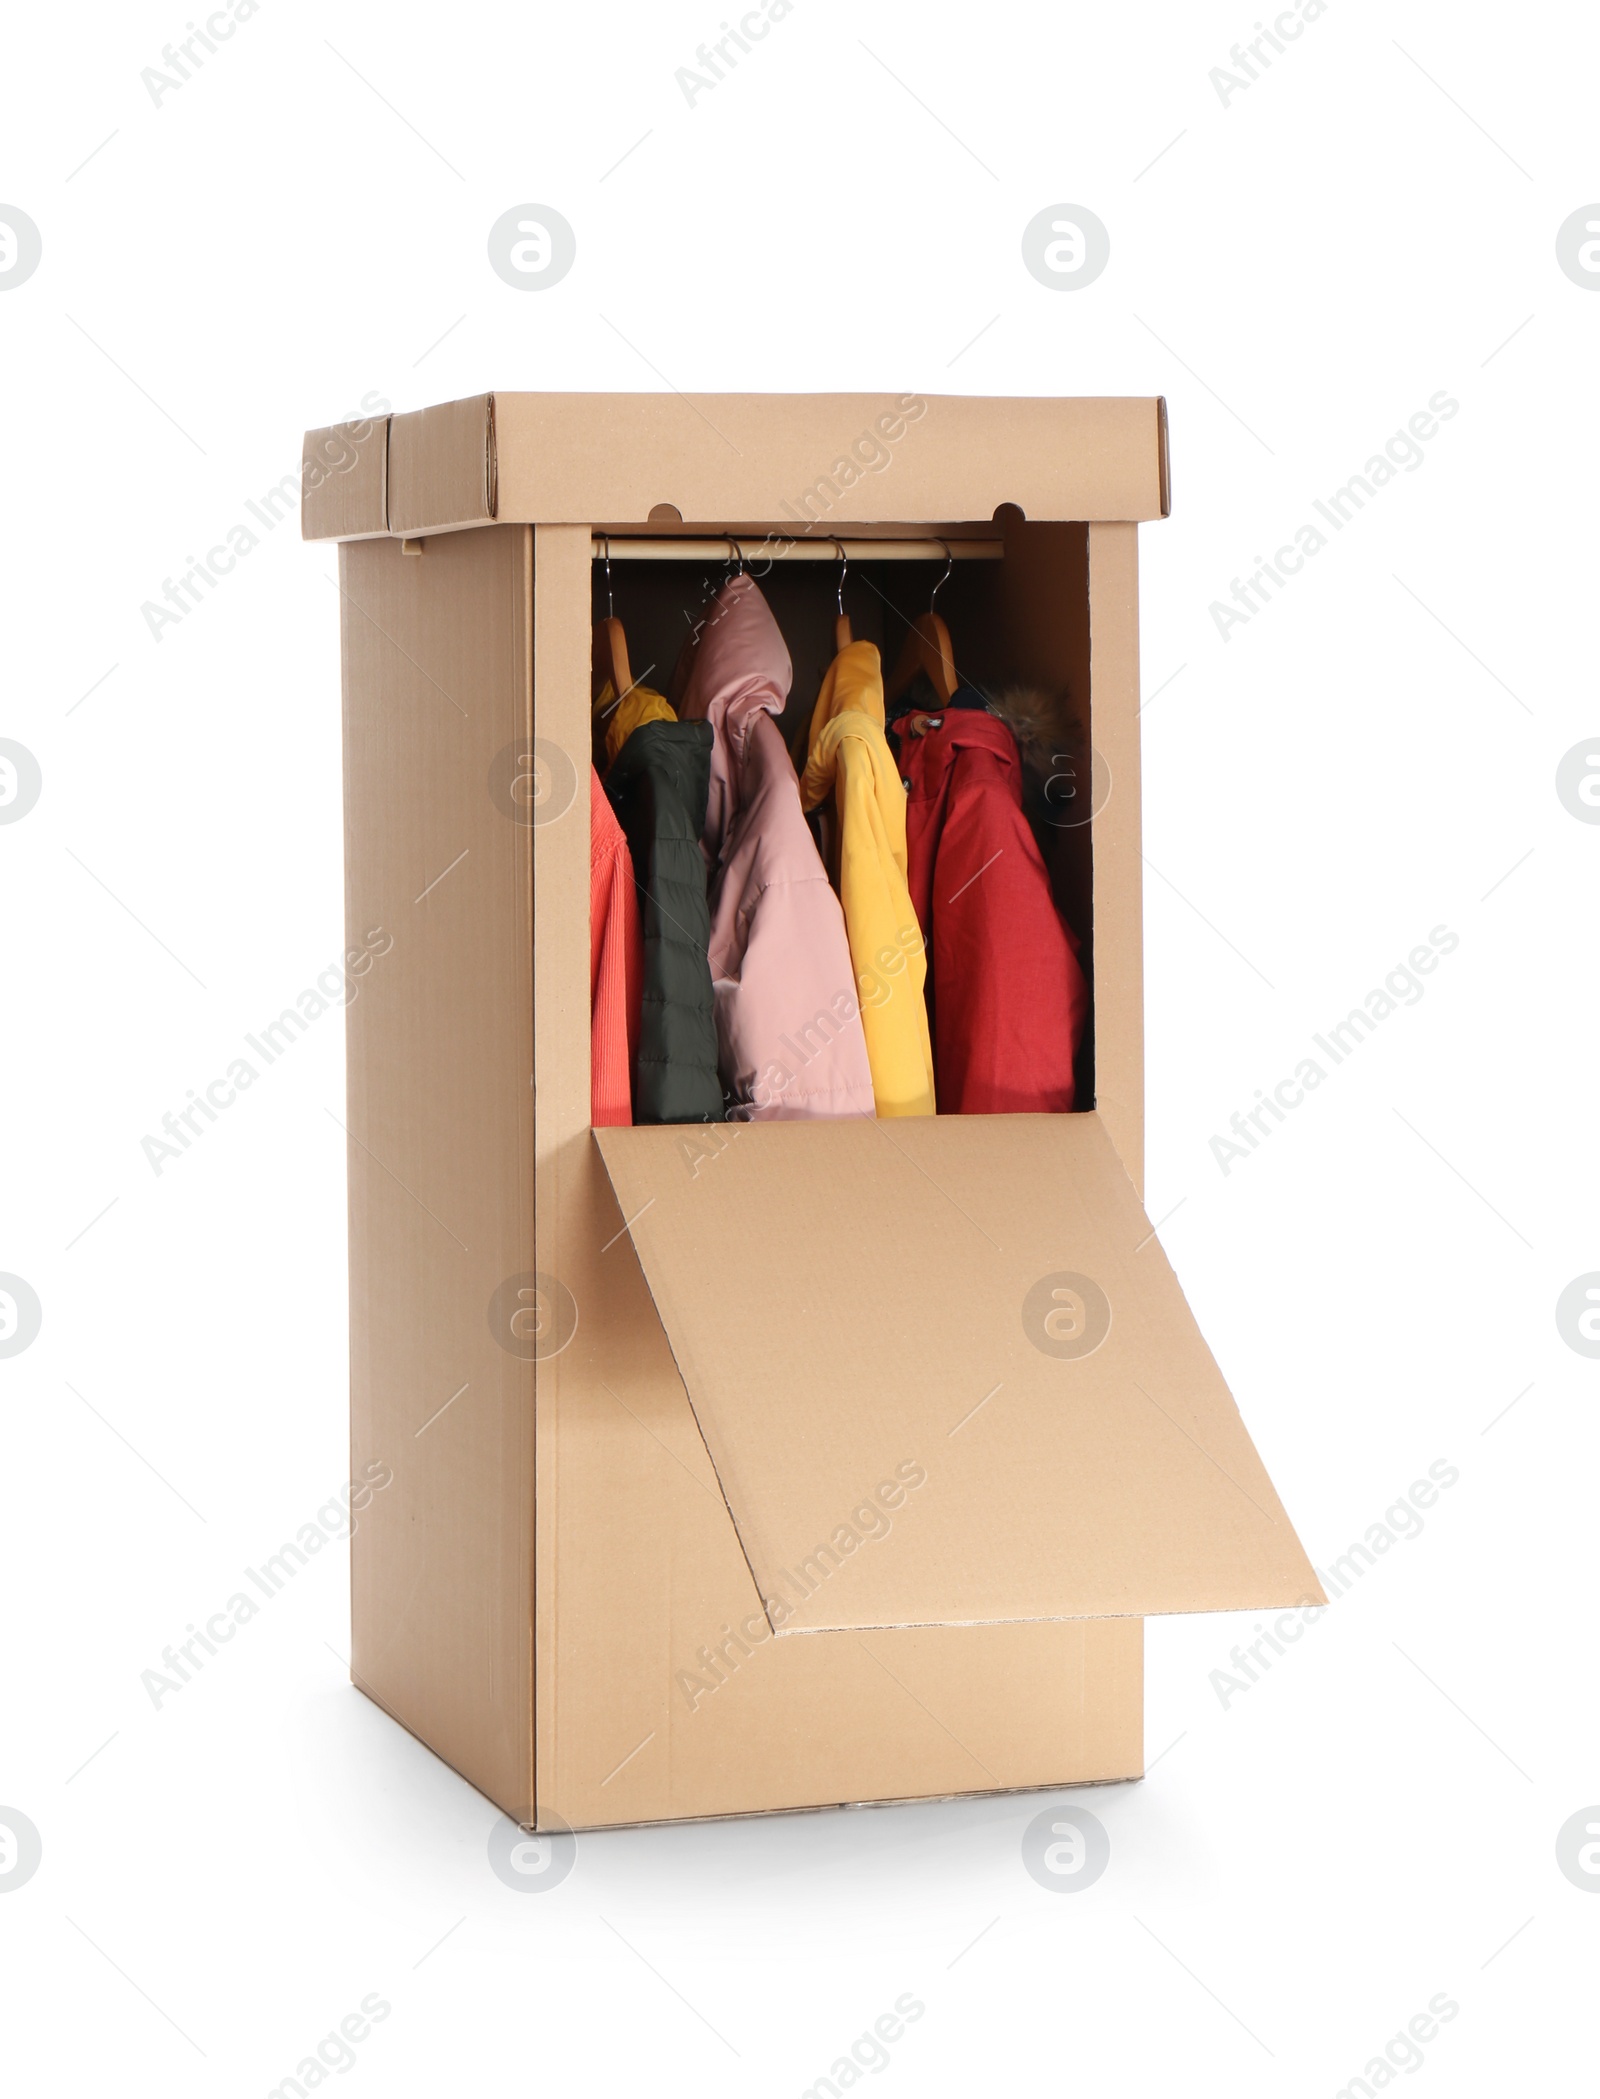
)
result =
(438, 904)
(441, 466)
(811, 462)
(883, 1716)
(1118, 862)
(1166, 456)
(639, 1564)
(344, 481)
(1123, 1694)
(568, 1295)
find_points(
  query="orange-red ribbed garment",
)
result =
(616, 964)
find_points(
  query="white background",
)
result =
(1371, 756)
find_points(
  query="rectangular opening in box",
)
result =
(1015, 599)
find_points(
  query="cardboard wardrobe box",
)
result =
(756, 1466)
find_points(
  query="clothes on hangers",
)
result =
(616, 965)
(657, 783)
(849, 759)
(1007, 992)
(789, 1024)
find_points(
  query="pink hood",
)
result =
(789, 1032)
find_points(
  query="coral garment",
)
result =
(1008, 994)
(616, 964)
(850, 759)
(789, 1028)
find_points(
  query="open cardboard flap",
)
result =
(946, 1374)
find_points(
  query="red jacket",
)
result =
(616, 963)
(1005, 987)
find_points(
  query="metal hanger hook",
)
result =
(844, 570)
(738, 554)
(949, 564)
(611, 605)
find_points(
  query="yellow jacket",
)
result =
(638, 705)
(850, 755)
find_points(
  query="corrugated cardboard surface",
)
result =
(442, 467)
(869, 1321)
(661, 1692)
(808, 462)
(1118, 832)
(652, 1702)
(440, 1117)
(1164, 440)
(581, 1555)
(344, 481)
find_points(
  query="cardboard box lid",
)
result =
(344, 481)
(804, 463)
(442, 467)
(972, 1314)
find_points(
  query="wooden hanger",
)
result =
(842, 637)
(927, 649)
(608, 661)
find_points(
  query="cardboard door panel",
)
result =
(946, 1374)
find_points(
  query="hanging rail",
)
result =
(756, 552)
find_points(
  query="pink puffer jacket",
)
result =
(789, 1032)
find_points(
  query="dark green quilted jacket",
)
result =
(658, 785)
